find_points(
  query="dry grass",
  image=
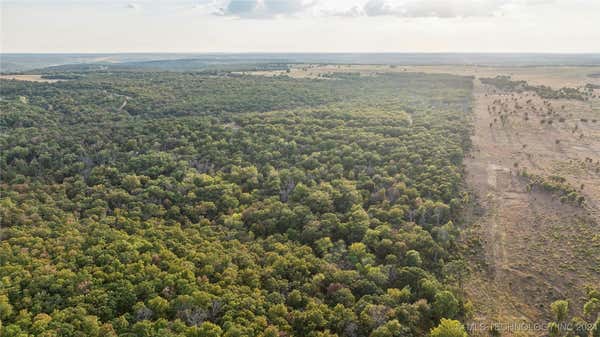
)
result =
(555, 77)
(534, 249)
(30, 78)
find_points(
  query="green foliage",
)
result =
(592, 307)
(595, 332)
(6, 309)
(557, 185)
(183, 204)
(449, 328)
(445, 304)
(390, 329)
(507, 84)
(577, 326)
(553, 329)
(560, 309)
(413, 258)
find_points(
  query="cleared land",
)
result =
(534, 248)
(527, 247)
(555, 77)
(30, 78)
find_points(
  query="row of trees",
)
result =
(505, 83)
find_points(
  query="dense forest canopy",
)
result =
(187, 204)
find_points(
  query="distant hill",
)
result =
(25, 62)
(185, 62)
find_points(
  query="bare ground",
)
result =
(533, 248)
(555, 76)
(30, 78)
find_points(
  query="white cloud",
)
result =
(434, 8)
(263, 8)
(353, 12)
(180, 26)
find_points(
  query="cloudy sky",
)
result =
(300, 26)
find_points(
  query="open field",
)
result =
(535, 248)
(30, 78)
(555, 77)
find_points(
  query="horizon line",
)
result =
(317, 52)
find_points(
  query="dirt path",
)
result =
(533, 248)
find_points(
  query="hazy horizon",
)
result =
(299, 53)
(300, 26)
(11, 62)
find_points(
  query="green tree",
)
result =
(449, 328)
(560, 309)
(592, 308)
(206, 329)
(595, 332)
(6, 309)
(413, 258)
(553, 329)
(392, 328)
(159, 306)
(445, 304)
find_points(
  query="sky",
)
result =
(94, 26)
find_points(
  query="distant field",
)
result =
(30, 78)
(555, 77)
(194, 61)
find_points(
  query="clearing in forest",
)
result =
(30, 78)
(529, 248)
